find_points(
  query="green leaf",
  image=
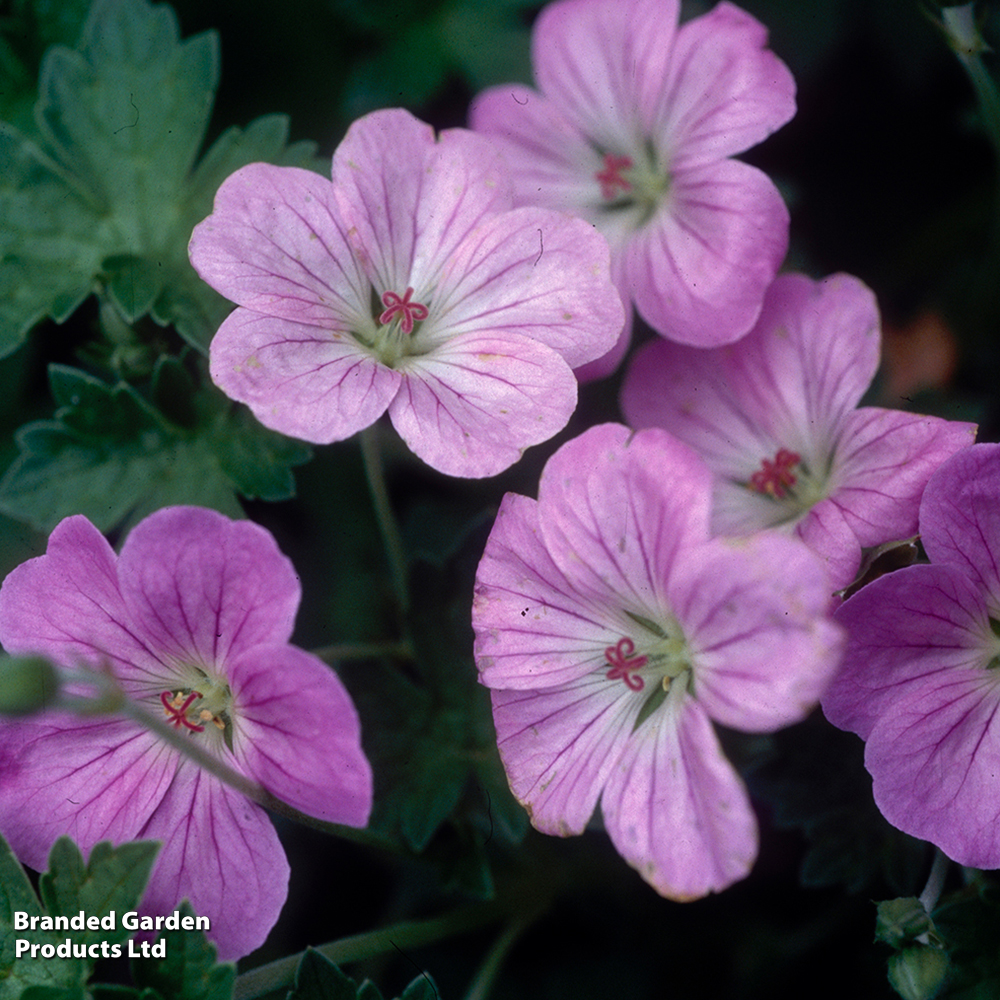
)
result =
(189, 971)
(105, 199)
(317, 978)
(422, 988)
(113, 880)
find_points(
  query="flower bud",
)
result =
(917, 973)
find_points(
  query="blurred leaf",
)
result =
(317, 978)
(106, 198)
(189, 971)
(967, 922)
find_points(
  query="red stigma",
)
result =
(610, 178)
(177, 711)
(775, 478)
(409, 311)
(622, 661)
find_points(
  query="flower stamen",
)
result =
(610, 178)
(776, 478)
(622, 661)
(407, 310)
(177, 708)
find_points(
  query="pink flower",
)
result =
(633, 130)
(193, 619)
(408, 284)
(613, 630)
(920, 681)
(775, 418)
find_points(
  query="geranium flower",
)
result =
(633, 130)
(193, 619)
(612, 630)
(406, 284)
(775, 417)
(920, 682)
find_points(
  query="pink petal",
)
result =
(313, 384)
(476, 402)
(559, 745)
(763, 650)
(724, 91)
(202, 586)
(408, 200)
(90, 779)
(220, 852)
(616, 509)
(883, 466)
(960, 519)
(676, 810)
(908, 632)
(533, 630)
(535, 273)
(67, 604)
(699, 269)
(275, 244)
(826, 531)
(591, 58)
(297, 733)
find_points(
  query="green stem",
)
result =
(487, 974)
(395, 553)
(364, 651)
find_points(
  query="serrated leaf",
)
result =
(189, 971)
(317, 978)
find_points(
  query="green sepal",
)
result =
(650, 705)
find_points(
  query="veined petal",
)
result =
(533, 630)
(558, 746)
(536, 273)
(724, 91)
(219, 851)
(473, 405)
(960, 517)
(698, 270)
(754, 614)
(275, 244)
(206, 587)
(826, 531)
(408, 200)
(908, 631)
(317, 385)
(883, 464)
(616, 508)
(590, 59)
(675, 808)
(934, 761)
(297, 733)
(67, 604)
(90, 779)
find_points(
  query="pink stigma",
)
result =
(775, 478)
(610, 178)
(622, 661)
(410, 311)
(177, 711)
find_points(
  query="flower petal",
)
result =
(274, 243)
(724, 91)
(559, 745)
(532, 629)
(297, 733)
(476, 402)
(676, 810)
(408, 200)
(536, 273)
(698, 270)
(826, 531)
(90, 779)
(312, 384)
(616, 508)
(219, 851)
(203, 586)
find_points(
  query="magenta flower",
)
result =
(920, 681)
(612, 630)
(775, 417)
(193, 619)
(632, 131)
(408, 284)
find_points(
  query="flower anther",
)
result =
(177, 709)
(403, 307)
(622, 661)
(776, 478)
(610, 177)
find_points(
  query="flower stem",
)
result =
(364, 651)
(486, 976)
(372, 456)
(935, 881)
